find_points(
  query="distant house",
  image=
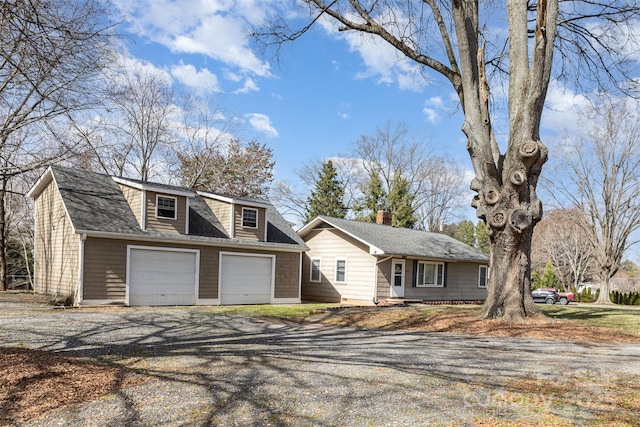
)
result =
(358, 261)
(100, 239)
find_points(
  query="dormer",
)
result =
(158, 207)
(242, 218)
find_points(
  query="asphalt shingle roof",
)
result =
(408, 242)
(95, 203)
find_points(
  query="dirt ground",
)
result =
(47, 381)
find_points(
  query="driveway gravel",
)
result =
(212, 369)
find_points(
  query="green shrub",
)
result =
(631, 298)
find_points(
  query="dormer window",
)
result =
(249, 218)
(166, 207)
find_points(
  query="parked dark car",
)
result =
(565, 297)
(546, 296)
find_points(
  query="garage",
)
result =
(245, 278)
(158, 276)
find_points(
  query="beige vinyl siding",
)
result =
(329, 244)
(253, 234)
(163, 224)
(56, 247)
(287, 277)
(222, 211)
(461, 284)
(134, 198)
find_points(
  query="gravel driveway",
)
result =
(211, 369)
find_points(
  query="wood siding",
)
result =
(222, 211)
(56, 247)
(384, 278)
(287, 275)
(106, 266)
(461, 284)
(134, 198)
(253, 234)
(328, 245)
(162, 224)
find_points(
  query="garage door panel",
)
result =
(245, 279)
(162, 277)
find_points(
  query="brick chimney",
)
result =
(383, 217)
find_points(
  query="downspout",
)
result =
(300, 278)
(375, 278)
(80, 295)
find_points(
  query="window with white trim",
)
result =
(315, 270)
(166, 207)
(341, 270)
(483, 276)
(430, 274)
(249, 218)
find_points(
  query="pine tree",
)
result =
(400, 202)
(328, 196)
(482, 238)
(466, 233)
(374, 198)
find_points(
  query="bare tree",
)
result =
(505, 182)
(135, 124)
(435, 182)
(50, 54)
(603, 181)
(562, 239)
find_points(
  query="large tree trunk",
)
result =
(509, 291)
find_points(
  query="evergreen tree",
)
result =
(548, 278)
(466, 233)
(400, 202)
(328, 196)
(482, 238)
(374, 198)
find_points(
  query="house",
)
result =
(100, 239)
(358, 261)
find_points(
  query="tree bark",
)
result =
(3, 233)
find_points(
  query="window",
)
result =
(166, 207)
(315, 270)
(249, 218)
(430, 274)
(483, 276)
(341, 270)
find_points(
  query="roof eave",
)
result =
(41, 183)
(280, 247)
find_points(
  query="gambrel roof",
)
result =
(396, 241)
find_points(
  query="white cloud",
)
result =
(381, 60)
(433, 107)
(262, 123)
(562, 109)
(202, 81)
(215, 28)
(249, 86)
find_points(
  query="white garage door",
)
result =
(245, 279)
(162, 277)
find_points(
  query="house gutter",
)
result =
(80, 295)
(375, 278)
(230, 243)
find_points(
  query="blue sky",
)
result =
(321, 96)
(328, 88)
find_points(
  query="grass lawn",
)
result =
(625, 318)
(580, 322)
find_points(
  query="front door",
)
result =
(397, 278)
